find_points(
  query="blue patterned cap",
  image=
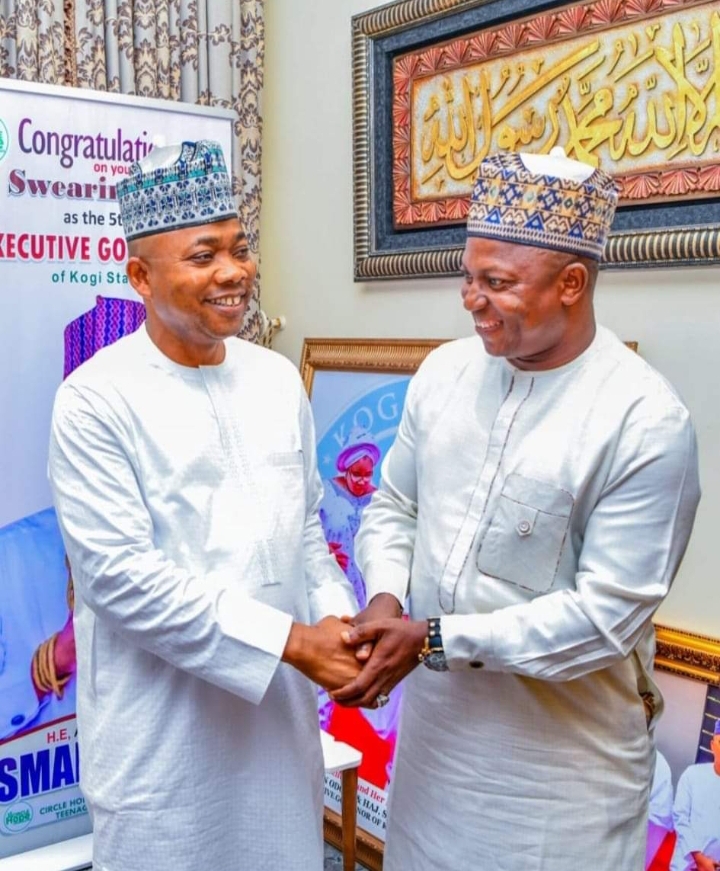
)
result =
(174, 187)
(546, 201)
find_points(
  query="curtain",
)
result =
(209, 52)
(32, 40)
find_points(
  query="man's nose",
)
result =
(233, 271)
(474, 298)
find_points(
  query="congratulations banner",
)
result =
(62, 266)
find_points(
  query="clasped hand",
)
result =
(388, 648)
(358, 659)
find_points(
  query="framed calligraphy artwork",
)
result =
(631, 86)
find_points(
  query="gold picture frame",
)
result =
(402, 356)
(688, 655)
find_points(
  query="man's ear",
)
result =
(138, 275)
(575, 283)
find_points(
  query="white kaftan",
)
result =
(696, 813)
(187, 500)
(542, 515)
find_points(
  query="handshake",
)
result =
(358, 660)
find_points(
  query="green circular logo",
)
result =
(4, 140)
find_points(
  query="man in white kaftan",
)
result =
(535, 506)
(183, 468)
(696, 813)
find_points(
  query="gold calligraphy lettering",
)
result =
(520, 76)
(632, 94)
(671, 106)
(619, 51)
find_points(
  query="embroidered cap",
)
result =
(546, 201)
(174, 187)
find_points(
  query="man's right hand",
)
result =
(320, 653)
(703, 862)
(380, 607)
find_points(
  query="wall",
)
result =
(307, 253)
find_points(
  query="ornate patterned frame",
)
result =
(367, 355)
(686, 654)
(681, 233)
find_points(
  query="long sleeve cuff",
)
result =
(468, 641)
(386, 577)
(253, 632)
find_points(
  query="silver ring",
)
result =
(381, 700)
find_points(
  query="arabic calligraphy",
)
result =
(630, 99)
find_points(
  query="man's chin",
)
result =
(494, 349)
(227, 331)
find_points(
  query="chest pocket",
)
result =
(281, 483)
(527, 534)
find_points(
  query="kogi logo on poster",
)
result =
(4, 140)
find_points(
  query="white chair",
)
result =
(341, 757)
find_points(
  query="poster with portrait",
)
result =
(357, 419)
(62, 265)
(357, 392)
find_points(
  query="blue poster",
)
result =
(39, 762)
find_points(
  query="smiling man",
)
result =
(182, 461)
(535, 506)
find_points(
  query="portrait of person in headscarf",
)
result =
(372, 730)
(346, 495)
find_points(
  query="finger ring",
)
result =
(382, 700)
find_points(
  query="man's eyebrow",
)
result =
(214, 240)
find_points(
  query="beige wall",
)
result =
(307, 266)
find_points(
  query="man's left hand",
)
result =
(397, 644)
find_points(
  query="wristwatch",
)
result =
(433, 655)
